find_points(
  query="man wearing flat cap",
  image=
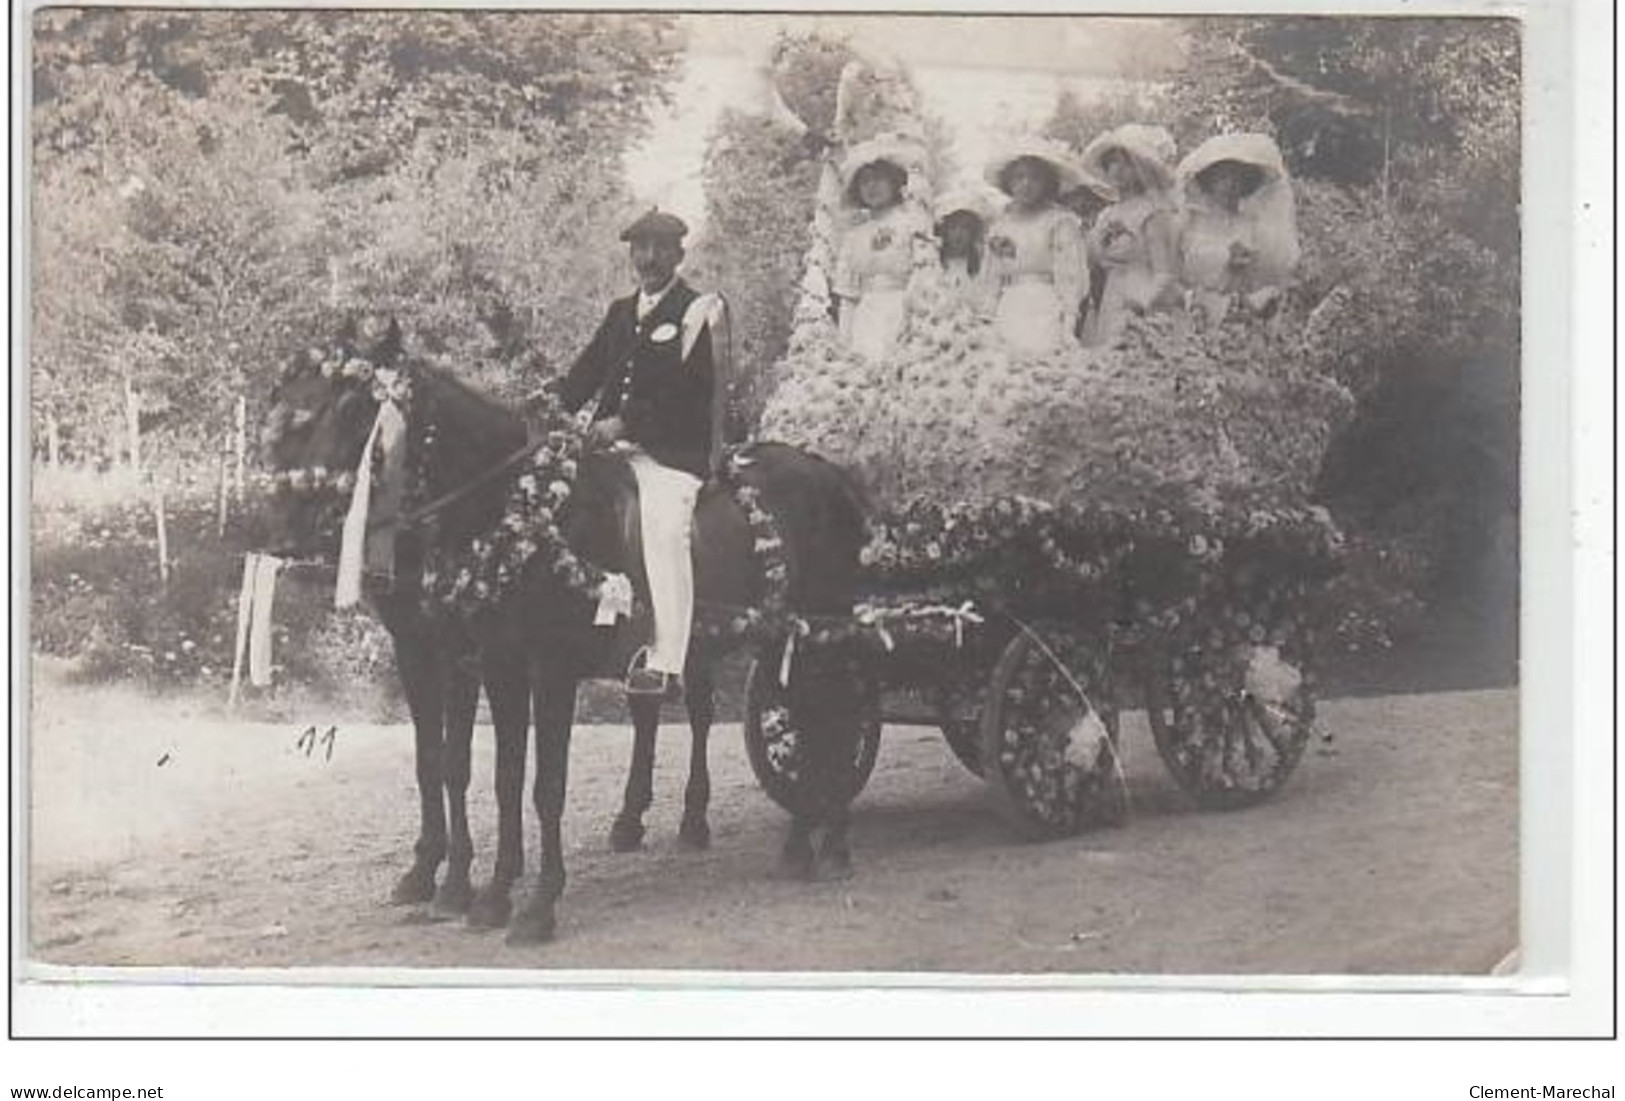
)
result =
(657, 369)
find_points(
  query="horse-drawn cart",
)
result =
(1027, 667)
(1060, 531)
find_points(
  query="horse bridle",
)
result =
(445, 500)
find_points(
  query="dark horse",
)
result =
(534, 646)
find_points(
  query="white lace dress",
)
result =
(1036, 260)
(872, 271)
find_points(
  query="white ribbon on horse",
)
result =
(614, 600)
(254, 637)
(389, 431)
(798, 626)
(245, 613)
(259, 629)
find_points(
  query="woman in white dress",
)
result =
(1238, 237)
(877, 254)
(1035, 249)
(1135, 239)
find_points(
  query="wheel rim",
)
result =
(961, 722)
(777, 746)
(1228, 733)
(1049, 740)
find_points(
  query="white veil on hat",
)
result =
(1266, 216)
(1151, 148)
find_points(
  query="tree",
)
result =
(760, 180)
(1404, 136)
(212, 188)
(1425, 110)
(1077, 122)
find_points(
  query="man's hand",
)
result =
(605, 432)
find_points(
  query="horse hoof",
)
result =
(694, 836)
(454, 897)
(415, 887)
(626, 836)
(532, 925)
(490, 909)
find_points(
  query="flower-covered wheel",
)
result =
(1232, 710)
(1049, 738)
(780, 742)
(960, 721)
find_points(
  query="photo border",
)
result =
(1567, 867)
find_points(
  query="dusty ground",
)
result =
(164, 835)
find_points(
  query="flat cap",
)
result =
(655, 224)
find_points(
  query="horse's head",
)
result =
(321, 412)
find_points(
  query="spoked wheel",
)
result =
(1049, 738)
(780, 745)
(1231, 712)
(961, 722)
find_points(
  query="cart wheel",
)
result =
(962, 729)
(778, 748)
(1049, 751)
(964, 737)
(1231, 718)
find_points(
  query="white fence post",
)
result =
(163, 533)
(224, 502)
(132, 424)
(242, 445)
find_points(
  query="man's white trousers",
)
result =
(666, 498)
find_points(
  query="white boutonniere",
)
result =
(664, 333)
(390, 384)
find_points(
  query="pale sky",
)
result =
(987, 77)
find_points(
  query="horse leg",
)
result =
(626, 835)
(796, 858)
(461, 698)
(508, 689)
(416, 660)
(831, 745)
(835, 749)
(554, 704)
(700, 694)
(834, 854)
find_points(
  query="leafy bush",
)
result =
(97, 594)
(98, 598)
(212, 188)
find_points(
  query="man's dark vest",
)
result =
(636, 370)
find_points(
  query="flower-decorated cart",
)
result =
(1056, 540)
(1023, 631)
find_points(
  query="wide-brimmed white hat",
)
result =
(902, 153)
(1096, 186)
(981, 201)
(1254, 150)
(1068, 172)
(1149, 147)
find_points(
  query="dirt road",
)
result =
(167, 837)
